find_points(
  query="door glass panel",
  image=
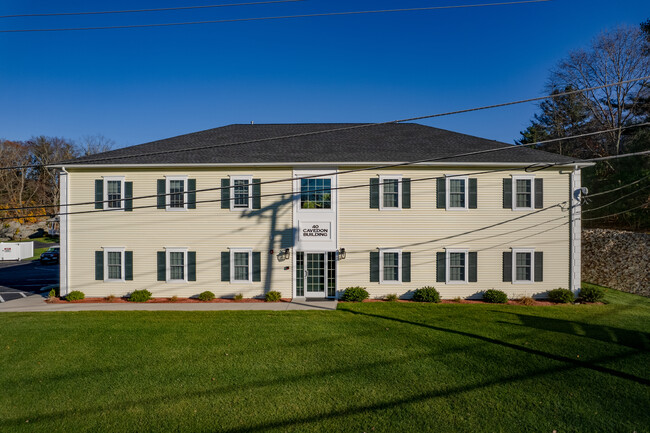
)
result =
(331, 273)
(315, 273)
(300, 274)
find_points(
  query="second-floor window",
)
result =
(523, 192)
(457, 193)
(176, 192)
(114, 192)
(316, 193)
(390, 188)
(241, 192)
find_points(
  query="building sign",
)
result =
(315, 231)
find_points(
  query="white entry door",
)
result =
(316, 274)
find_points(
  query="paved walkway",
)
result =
(36, 303)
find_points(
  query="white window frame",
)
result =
(168, 264)
(120, 250)
(530, 251)
(381, 265)
(448, 265)
(382, 179)
(249, 178)
(514, 192)
(465, 179)
(105, 198)
(250, 265)
(167, 193)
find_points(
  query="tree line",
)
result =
(24, 186)
(615, 55)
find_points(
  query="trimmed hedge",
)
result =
(75, 295)
(140, 296)
(561, 296)
(355, 294)
(273, 296)
(426, 294)
(495, 296)
(591, 294)
(206, 296)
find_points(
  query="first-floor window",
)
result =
(176, 264)
(457, 263)
(114, 264)
(241, 265)
(523, 265)
(390, 261)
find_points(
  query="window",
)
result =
(316, 193)
(390, 189)
(114, 264)
(522, 192)
(241, 259)
(176, 264)
(457, 192)
(113, 192)
(390, 266)
(456, 266)
(176, 192)
(523, 265)
(241, 190)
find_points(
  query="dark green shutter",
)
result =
(191, 266)
(128, 196)
(225, 198)
(441, 201)
(406, 267)
(257, 266)
(162, 266)
(441, 267)
(539, 266)
(128, 265)
(191, 193)
(257, 192)
(473, 198)
(507, 266)
(374, 194)
(507, 193)
(374, 267)
(99, 265)
(473, 266)
(225, 265)
(406, 193)
(99, 194)
(161, 194)
(539, 193)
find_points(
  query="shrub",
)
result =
(273, 296)
(591, 294)
(457, 299)
(140, 295)
(75, 295)
(239, 297)
(527, 300)
(52, 294)
(426, 294)
(560, 296)
(495, 296)
(173, 299)
(110, 298)
(206, 296)
(355, 294)
(391, 297)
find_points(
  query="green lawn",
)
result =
(372, 367)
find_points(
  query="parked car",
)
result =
(50, 256)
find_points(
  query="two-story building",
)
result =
(310, 209)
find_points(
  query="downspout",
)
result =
(575, 231)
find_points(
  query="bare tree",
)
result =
(614, 56)
(93, 144)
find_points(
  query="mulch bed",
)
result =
(160, 301)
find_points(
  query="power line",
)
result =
(619, 188)
(618, 199)
(381, 166)
(324, 14)
(287, 193)
(365, 125)
(57, 14)
(617, 213)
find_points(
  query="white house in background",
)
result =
(293, 208)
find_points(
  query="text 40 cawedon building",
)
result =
(310, 209)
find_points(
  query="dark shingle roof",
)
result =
(394, 142)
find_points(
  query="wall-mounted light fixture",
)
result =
(341, 253)
(287, 253)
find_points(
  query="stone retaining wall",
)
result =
(617, 259)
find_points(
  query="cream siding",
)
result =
(423, 230)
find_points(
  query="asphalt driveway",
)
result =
(21, 279)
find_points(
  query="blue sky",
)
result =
(138, 85)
